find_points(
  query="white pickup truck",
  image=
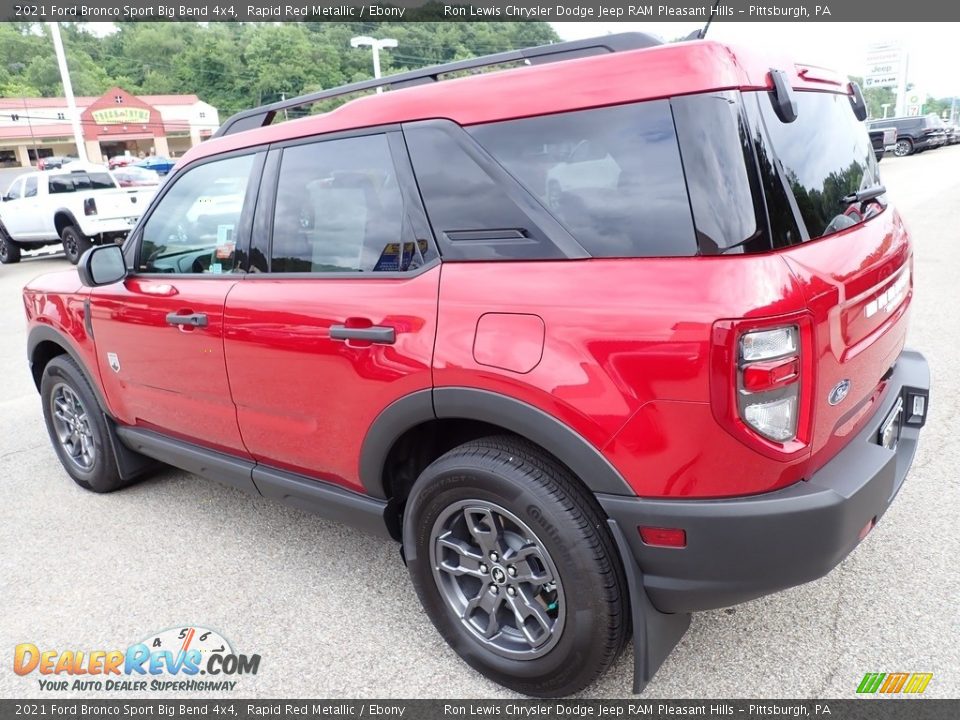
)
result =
(79, 206)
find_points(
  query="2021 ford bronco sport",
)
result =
(601, 341)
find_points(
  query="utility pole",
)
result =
(376, 46)
(68, 91)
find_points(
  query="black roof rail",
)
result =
(265, 114)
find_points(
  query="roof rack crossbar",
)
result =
(265, 114)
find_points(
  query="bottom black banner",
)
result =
(861, 709)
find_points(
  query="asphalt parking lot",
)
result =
(332, 612)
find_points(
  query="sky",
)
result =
(933, 64)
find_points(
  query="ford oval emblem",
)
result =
(839, 392)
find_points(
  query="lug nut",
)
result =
(494, 556)
(512, 570)
(483, 568)
(494, 589)
(511, 591)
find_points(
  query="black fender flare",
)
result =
(563, 442)
(45, 333)
(70, 215)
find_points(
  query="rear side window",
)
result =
(340, 209)
(75, 181)
(825, 155)
(30, 187)
(611, 176)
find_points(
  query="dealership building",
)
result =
(116, 123)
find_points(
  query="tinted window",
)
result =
(30, 187)
(339, 209)
(824, 155)
(193, 228)
(75, 181)
(718, 162)
(471, 210)
(612, 176)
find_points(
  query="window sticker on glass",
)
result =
(216, 268)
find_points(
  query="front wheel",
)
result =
(77, 427)
(903, 148)
(75, 243)
(513, 563)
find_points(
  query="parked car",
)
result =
(78, 205)
(54, 161)
(884, 140)
(914, 134)
(160, 165)
(678, 385)
(953, 134)
(118, 161)
(134, 176)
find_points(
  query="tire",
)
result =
(64, 384)
(75, 243)
(903, 147)
(577, 629)
(9, 250)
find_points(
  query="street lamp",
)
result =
(376, 46)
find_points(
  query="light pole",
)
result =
(68, 91)
(376, 46)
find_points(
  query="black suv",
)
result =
(914, 134)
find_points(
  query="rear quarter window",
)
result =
(612, 176)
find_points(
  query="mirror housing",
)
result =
(858, 102)
(102, 265)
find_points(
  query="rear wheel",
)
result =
(903, 147)
(9, 250)
(512, 561)
(75, 243)
(77, 428)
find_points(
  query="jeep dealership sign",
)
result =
(885, 64)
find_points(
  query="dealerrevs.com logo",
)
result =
(184, 659)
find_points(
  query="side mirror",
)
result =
(858, 103)
(102, 265)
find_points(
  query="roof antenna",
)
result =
(713, 10)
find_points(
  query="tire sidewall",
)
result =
(448, 481)
(74, 244)
(102, 477)
(9, 251)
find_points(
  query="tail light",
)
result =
(89, 206)
(762, 380)
(768, 381)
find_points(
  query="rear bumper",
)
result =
(742, 548)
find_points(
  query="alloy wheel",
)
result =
(498, 579)
(72, 425)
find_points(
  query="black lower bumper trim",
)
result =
(742, 548)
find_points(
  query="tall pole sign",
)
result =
(886, 66)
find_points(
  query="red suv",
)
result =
(601, 341)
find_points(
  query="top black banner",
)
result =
(478, 11)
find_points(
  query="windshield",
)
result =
(825, 157)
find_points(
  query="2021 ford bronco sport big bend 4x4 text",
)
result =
(601, 341)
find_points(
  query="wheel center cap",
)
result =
(498, 575)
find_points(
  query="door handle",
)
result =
(192, 320)
(376, 334)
